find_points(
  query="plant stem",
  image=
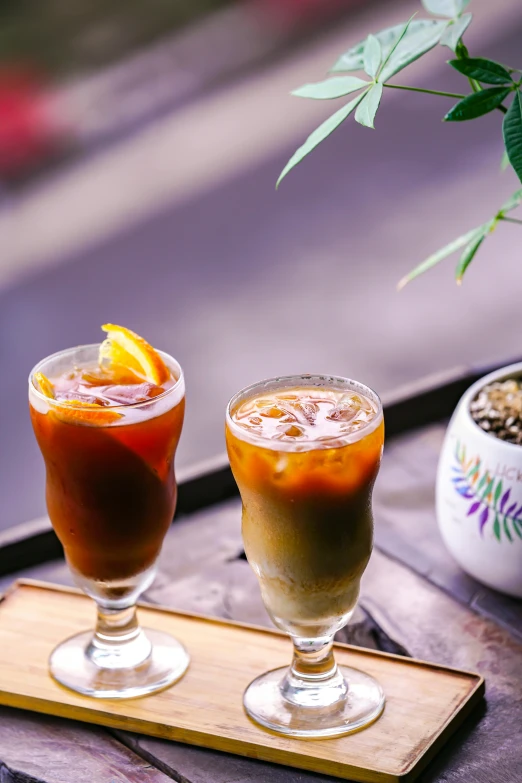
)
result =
(436, 92)
(421, 89)
(510, 220)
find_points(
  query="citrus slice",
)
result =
(78, 411)
(124, 348)
(45, 385)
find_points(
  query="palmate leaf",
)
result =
(512, 203)
(470, 251)
(372, 56)
(454, 31)
(335, 87)
(477, 104)
(440, 255)
(353, 59)
(410, 48)
(367, 109)
(487, 71)
(512, 130)
(449, 8)
(319, 134)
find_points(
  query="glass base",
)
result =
(313, 713)
(165, 662)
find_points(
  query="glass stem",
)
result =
(118, 640)
(313, 658)
(313, 674)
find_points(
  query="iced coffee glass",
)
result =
(305, 451)
(108, 441)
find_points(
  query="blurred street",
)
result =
(177, 232)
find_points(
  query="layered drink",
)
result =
(305, 452)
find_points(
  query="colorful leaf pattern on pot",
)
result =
(489, 497)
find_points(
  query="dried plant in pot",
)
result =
(479, 481)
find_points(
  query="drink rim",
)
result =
(284, 382)
(180, 382)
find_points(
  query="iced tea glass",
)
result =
(305, 451)
(111, 495)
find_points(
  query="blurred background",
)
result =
(139, 148)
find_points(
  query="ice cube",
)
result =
(343, 412)
(284, 432)
(273, 412)
(294, 431)
(350, 406)
(306, 411)
(81, 396)
(131, 393)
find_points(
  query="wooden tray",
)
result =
(425, 702)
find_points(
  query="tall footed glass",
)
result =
(111, 495)
(305, 452)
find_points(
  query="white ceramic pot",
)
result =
(479, 496)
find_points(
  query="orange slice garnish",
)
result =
(78, 411)
(45, 385)
(124, 348)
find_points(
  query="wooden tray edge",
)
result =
(478, 678)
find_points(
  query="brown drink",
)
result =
(108, 420)
(110, 488)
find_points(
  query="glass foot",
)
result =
(79, 664)
(315, 712)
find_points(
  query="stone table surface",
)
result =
(414, 601)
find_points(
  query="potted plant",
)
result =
(479, 482)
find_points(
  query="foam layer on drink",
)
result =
(305, 415)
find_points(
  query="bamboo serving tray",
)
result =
(425, 703)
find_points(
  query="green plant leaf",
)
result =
(477, 104)
(367, 109)
(496, 528)
(440, 255)
(512, 203)
(512, 130)
(504, 163)
(372, 56)
(335, 87)
(487, 71)
(467, 256)
(451, 37)
(517, 527)
(353, 59)
(410, 48)
(449, 8)
(319, 134)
